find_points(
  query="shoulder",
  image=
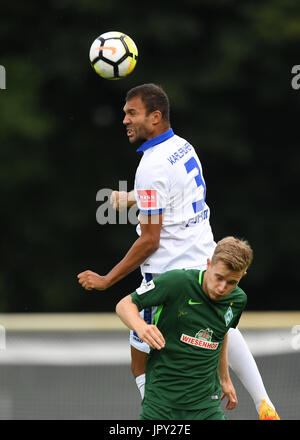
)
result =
(152, 170)
(153, 162)
(238, 296)
(177, 277)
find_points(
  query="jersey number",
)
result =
(189, 166)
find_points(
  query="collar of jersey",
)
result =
(155, 141)
(201, 273)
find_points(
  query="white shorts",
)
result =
(148, 315)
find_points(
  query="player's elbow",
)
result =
(151, 244)
(121, 306)
(155, 244)
(119, 309)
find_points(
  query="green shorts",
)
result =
(152, 411)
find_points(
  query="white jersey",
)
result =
(169, 180)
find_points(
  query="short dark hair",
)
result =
(153, 97)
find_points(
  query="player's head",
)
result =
(146, 112)
(236, 254)
(228, 265)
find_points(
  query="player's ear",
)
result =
(208, 262)
(156, 116)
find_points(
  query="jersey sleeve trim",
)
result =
(157, 314)
(152, 211)
(201, 273)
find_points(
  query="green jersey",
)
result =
(184, 373)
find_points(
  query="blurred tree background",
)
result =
(226, 66)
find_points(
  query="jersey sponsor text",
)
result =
(148, 198)
(180, 153)
(203, 215)
(208, 345)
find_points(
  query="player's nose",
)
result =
(221, 287)
(126, 120)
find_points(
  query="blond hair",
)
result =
(236, 254)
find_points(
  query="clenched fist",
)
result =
(121, 200)
(91, 280)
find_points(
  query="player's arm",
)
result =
(129, 314)
(226, 384)
(142, 248)
(121, 200)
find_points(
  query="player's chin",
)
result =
(216, 296)
(135, 138)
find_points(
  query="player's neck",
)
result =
(158, 131)
(204, 284)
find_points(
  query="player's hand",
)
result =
(119, 200)
(229, 392)
(152, 336)
(90, 280)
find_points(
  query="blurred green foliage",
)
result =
(226, 66)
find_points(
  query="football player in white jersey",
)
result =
(174, 229)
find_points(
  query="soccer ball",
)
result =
(113, 55)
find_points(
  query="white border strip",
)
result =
(29, 349)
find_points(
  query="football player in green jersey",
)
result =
(187, 369)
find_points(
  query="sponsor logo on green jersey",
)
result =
(205, 335)
(201, 339)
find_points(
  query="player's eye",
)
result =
(232, 283)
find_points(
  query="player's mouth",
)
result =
(130, 132)
(216, 296)
(219, 295)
